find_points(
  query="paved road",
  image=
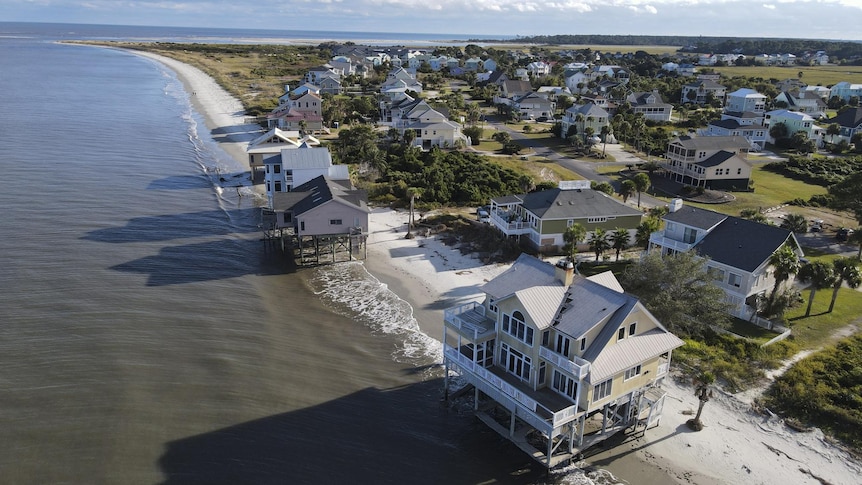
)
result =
(585, 169)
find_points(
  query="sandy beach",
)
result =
(737, 446)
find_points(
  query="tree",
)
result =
(795, 222)
(572, 236)
(642, 183)
(502, 137)
(605, 187)
(818, 275)
(703, 393)
(753, 215)
(645, 230)
(785, 263)
(678, 291)
(847, 194)
(856, 238)
(599, 242)
(832, 130)
(845, 271)
(620, 240)
(409, 136)
(627, 188)
(607, 131)
(779, 131)
(413, 193)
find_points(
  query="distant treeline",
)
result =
(725, 45)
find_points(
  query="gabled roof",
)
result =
(745, 92)
(317, 192)
(742, 243)
(589, 304)
(524, 273)
(575, 204)
(630, 352)
(275, 136)
(302, 158)
(588, 109)
(695, 217)
(704, 83)
(541, 303)
(850, 118)
(718, 159)
(712, 142)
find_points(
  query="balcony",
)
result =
(657, 238)
(471, 321)
(578, 368)
(501, 220)
(544, 409)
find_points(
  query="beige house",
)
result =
(558, 359)
(712, 162)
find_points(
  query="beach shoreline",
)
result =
(737, 446)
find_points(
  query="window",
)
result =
(739, 171)
(602, 390)
(583, 344)
(633, 372)
(492, 305)
(633, 328)
(543, 368)
(514, 325)
(716, 273)
(594, 220)
(268, 187)
(301, 225)
(546, 338)
(277, 186)
(734, 280)
(690, 235)
(621, 334)
(335, 222)
(516, 363)
(276, 168)
(563, 345)
(565, 385)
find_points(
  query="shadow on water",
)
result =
(401, 435)
(181, 182)
(177, 226)
(215, 260)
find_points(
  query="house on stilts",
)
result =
(558, 362)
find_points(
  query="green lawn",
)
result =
(818, 328)
(813, 75)
(748, 330)
(770, 189)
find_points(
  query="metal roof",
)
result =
(527, 271)
(575, 204)
(630, 352)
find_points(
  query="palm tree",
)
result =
(642, 182)
(785, 263)
(620, 240)
(820, 275)
(846, 271)
(627, 188)
(795, 222)
(703, 393)
(599, 242)
(832, 130)
(606, 132)
(413, 193)
(645, 230)
(572, 236)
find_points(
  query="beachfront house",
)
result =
(558, 362)
(737, 252)
(712, 162)
(272, 143)
(292, 167)
(542, 217)
(302, 112)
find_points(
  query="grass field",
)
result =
(812, 75)
(820, 327)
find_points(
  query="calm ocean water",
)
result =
(146, 333)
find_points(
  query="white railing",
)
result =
(451, 316)
(503, 392)
(658, 239)
(579, 368)
(519, 227)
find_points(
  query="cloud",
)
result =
(769, 6)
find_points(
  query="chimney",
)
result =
(565, 272)
(675, 205)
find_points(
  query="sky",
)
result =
(815, 19)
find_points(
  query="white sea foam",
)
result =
(351, 290)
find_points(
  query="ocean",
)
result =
(148, 335)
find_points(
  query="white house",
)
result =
(737, 251)
(295, 166)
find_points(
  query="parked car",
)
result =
(483, 214)
(843, 234)
(817, 226)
